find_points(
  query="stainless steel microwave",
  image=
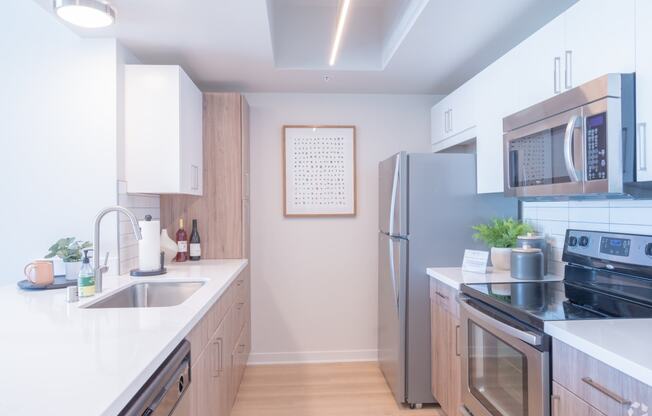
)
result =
(578, 144)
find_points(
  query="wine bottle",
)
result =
(182, 243)
(195, 246)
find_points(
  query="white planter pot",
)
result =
(501, 258)
(72, 269)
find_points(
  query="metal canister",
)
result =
(535, 241)
(527, 263)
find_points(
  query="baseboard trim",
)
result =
(301, 357)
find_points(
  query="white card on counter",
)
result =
(475, 261)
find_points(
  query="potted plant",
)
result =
(501, 235)
(69, 250)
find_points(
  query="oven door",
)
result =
(505, 365)
(546, 157)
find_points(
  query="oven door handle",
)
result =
(492, 323)
(569, 141)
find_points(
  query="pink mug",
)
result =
(40, 272)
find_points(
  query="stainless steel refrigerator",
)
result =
(428, 203)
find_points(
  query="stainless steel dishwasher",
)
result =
(165, 388)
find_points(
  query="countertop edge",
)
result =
(432, 272)
(593, 350)
(123, 399)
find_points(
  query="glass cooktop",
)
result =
(537, 302)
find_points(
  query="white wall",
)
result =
(554, 218)
(57, 132)
(314, 281)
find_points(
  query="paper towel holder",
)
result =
(141, 273)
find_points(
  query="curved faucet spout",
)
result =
(99, 270)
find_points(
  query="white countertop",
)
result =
(623, 344)
(60, 359)
(455, 277)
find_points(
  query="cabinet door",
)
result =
(190, 135)
(220, 374)
(439, 125)
(599, 39)
(439, 359)
(202, 398)
(455, 367)
(565, 403)
(539, 63)
(644, 89)
(461, 111)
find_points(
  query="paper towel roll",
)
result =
(149, 248)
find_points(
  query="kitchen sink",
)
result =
(149, 295)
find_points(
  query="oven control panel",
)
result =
(634, 249)
(596, 147)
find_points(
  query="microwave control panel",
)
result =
(596, 147)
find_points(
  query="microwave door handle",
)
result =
(568, 149)
(525, 336)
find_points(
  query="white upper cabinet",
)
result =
(600, 38)
(540, 67)
(163, 131)
(643, 89)
(454, 114)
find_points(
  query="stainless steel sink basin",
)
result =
(149, 295)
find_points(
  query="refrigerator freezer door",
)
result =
(392, 195)
(392, 270)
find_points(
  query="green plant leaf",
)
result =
(501, 232)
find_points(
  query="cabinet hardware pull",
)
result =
(614, 396)
(457, 340)
(450, 119)
(555, 405)
(642, 146)
(445, 122)
(220, 366)
(241, 348)
(240, 305)
(441, 296)
(556, 69)
(568, 69)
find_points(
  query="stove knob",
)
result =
(572, 241)
(648, 249)
(584, 241)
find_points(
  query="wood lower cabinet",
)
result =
(590, 384)
(446, 362)
(220, 346)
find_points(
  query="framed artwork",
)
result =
(319, 171)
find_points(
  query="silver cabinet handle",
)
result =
(450, 119)
(568, 148)
(489, 322)
(568, 69)
(195, 176)
(555, 405)
(220, 365)
(464, 412)
(457, 340)
(446, 121)
(613, 396)
(441, 295)
(556, 69)
(642, 146)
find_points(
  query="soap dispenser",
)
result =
(86, 279)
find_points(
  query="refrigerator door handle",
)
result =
(392, 268)
(392, 206)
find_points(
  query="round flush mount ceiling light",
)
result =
(89, 14)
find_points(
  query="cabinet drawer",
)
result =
(605, 388)
(565, 403)
(446, 297)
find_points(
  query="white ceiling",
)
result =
(226, 45)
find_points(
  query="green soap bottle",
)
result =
(86, 279)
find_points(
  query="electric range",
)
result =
(505, 352)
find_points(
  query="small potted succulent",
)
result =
(501, 235)
(69, 250)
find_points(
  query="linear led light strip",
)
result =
(341, 20)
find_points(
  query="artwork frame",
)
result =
(313, 189)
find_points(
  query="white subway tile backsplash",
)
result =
(140, 205)
(553, 219)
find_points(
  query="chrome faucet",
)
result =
(99, 270)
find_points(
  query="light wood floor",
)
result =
(343, 389)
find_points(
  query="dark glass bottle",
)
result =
(195, 245)
(182, 243)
